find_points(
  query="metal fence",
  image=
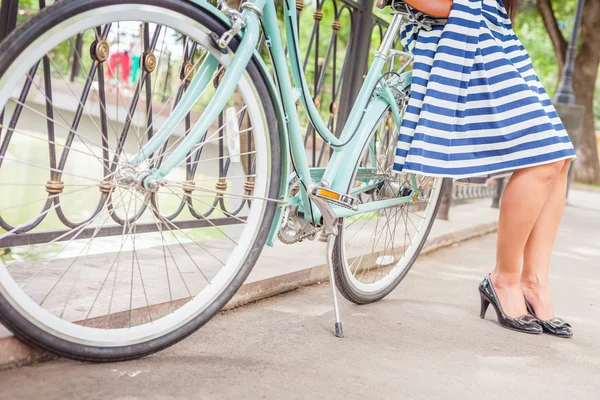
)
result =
(337, 66)
(336, 77)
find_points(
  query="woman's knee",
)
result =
(547, 172)
(552, 171)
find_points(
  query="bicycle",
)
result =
(71, 291)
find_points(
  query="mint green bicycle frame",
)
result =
(347, 149)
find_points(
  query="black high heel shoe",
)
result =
(555, 326)
(526, 324)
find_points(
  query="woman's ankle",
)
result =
(533, 283)
(537, 293)
(508, 289)
(501, 279)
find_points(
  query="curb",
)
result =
(270, 287)
(14, 353)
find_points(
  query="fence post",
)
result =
(498, 194)
(167, 77)
(8, 17)
(444, 210)
(357, 59)
(76, 68)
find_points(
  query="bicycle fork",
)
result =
(197, 86)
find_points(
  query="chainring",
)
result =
(295, 229)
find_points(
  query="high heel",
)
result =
(485, 303)
(526, 324)
(555, 326)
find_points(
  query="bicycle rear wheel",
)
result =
(100, 268)
(373, 252)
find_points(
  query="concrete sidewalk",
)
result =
(425, 341)
(286, 267)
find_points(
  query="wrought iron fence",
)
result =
(337, 51)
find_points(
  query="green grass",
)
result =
(589, 185)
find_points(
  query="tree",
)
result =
(587, 168)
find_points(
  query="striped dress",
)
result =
(476, 107)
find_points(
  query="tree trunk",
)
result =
(558, 40)
(587, 167)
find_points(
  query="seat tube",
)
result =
(390, 36)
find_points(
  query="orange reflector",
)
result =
(329, 194)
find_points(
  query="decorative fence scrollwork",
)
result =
(337, 50)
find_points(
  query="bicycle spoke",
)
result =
(124, 237)
(137, 262)
(165, 246)
(88, 246)
(72, 129)
(51, 197)
(125, 226)
(208, 220)
(222, 193)
(54, 121)
(185, 250)
(55, 170)
(80, 104)
(55, 143)
(75, 233)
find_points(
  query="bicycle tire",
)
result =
(31, 332)
(345, 283)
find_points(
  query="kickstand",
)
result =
(338, 323)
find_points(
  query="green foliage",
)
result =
(530, 29)
(26, 9)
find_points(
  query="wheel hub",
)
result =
(137, 177)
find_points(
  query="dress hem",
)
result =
(487, 174)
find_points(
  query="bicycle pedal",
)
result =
(332, 197)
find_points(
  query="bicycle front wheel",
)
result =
(94, 266)
(373, 252)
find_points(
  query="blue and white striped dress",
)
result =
(476, 107)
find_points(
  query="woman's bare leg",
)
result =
(522, 204)
(538, 250)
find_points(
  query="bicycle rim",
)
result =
(177, 253)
